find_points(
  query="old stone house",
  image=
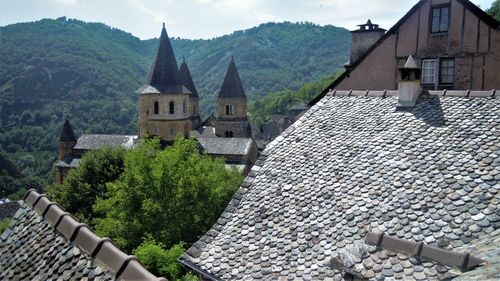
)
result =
(169, 106)
(456, 44)
(379, 179)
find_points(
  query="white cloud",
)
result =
(65, 2)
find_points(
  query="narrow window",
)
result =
(446, 71)
(184, 107)
(229, 109)
(231, 134)
(171, 108)
(156, 108)
(440, 19)
(429, 71)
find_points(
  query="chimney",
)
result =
(363, 38)
(409, 85)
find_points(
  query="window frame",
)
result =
(434, 76)
(439, 83)
(156, 108)
(229, 110)
(440, 78)
(440, 19)
(171, 108)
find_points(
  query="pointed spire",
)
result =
(67, 132)
(186, 79)
(232, 87)
(164, 70)
(410, 63)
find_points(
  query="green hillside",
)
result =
(56, 69)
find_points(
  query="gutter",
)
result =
(204, 273)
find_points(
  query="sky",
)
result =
(195, 19)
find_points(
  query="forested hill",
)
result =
(88, 72)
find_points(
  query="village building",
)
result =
(392, 174)
(169, 106)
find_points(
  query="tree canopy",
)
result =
(494, 10)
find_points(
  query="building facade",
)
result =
(455, 43)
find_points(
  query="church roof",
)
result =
(96, 141)
(232, 86)
(164, 75)
(350, 165)
(43, 242)
(67, 132)
(187, 80)
(225, 146)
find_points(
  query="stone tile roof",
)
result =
(43, 242)
(203, 132)
(90, 141)
(186, 79)
(67, 132)
(351, 165)
(232, 88)
(225, 146)
(68, 162)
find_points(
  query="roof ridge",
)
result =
(127, 267)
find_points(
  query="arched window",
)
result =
(229, 109)
(171, 108)
(156, 108)
(184, 107)
(228, 134)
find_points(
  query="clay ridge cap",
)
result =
(127, 267)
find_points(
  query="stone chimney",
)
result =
(409, 86)
(363, 38)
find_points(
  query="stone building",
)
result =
(232, 121)
(169, 106)
(384, 181)
(456, 44)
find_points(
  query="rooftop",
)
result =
(352, 165)
(93, 141)
(226, 146)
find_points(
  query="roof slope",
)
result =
(67, 132)
(225, 146)
(492, 22)
(95, 141)
(351, 165)
(186, 79)
(164, 74)
(44, 242)
(232, 88)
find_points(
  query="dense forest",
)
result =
(88, 72)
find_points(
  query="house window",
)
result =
(446, 71)
(440, 19)
(184, 107)
(156, 108)
(229, 109)
(171, 108)
(228, 134)
(429, 71)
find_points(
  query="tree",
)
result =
(78, 193)
(171, 195)
(494, 10)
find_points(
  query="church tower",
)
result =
(164, 102)
(67, 141)
(194, 100)
(232, 119)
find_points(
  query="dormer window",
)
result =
(171, 108)
(440, 19)
(229, 109)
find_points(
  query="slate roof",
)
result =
(164, 74)
(232, 88)
(68, 162)
(186, 79)
(67, 133)
(350, 165)
(226, 146)
(91, 141)
(45, 243)
(203, 132)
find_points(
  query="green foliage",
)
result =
(279, 102)
(494, 10)
(13, 181)
(172, 195)
(4, 224)
(159, 261)
(84, 184)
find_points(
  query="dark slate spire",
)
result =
(186, 79)
(164, 70)
(67, 133)
(232, 87)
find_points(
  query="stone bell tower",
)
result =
(164, 102)
(232, 121)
